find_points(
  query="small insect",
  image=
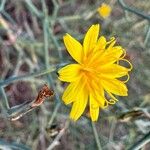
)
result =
(43, 93)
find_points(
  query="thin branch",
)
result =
(46, 46)
(96, 136)
(141, 142)
(2, 5)
(5, 100)
(40, 73)
(54, 114)
(147, 36)
(133, 10)
(33, 8)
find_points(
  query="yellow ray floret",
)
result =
(95, 78)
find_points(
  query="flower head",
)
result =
(104, 10)
(94, 79)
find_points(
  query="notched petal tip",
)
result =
(96, 25)
(94, 119)
(73, 119)
(65, 36)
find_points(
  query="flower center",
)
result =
(87, 72)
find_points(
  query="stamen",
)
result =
(128, 77)
(131, 67)
(113, 97)
(124, 53)
(111, 101)
(112, 39)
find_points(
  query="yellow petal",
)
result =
(94, 108)
(69, 73)
(98, 50)
(98, 93)
(99, 98)
(106, 57)
(90, 39)
(110, 56)
(101, 44)
(79, 105)
(70, 93)
(114, 86)
(111, 43)
(113, 71)
(74, 48)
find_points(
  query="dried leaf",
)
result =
(16, 112)
(43, 94)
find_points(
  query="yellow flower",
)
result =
(94, 75)
(104, 10)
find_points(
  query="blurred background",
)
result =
(31, 44)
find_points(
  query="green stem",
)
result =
(133, 10)
(46, 46)
(45, 33)
(46, 43)
(56, 44)
(141, 143)
(5, 103)
(96, 136)
(33, 8)
(8, 17)
(147, 36)
(56, 8)
(43, 72)
(54, 114)
(2, 5)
